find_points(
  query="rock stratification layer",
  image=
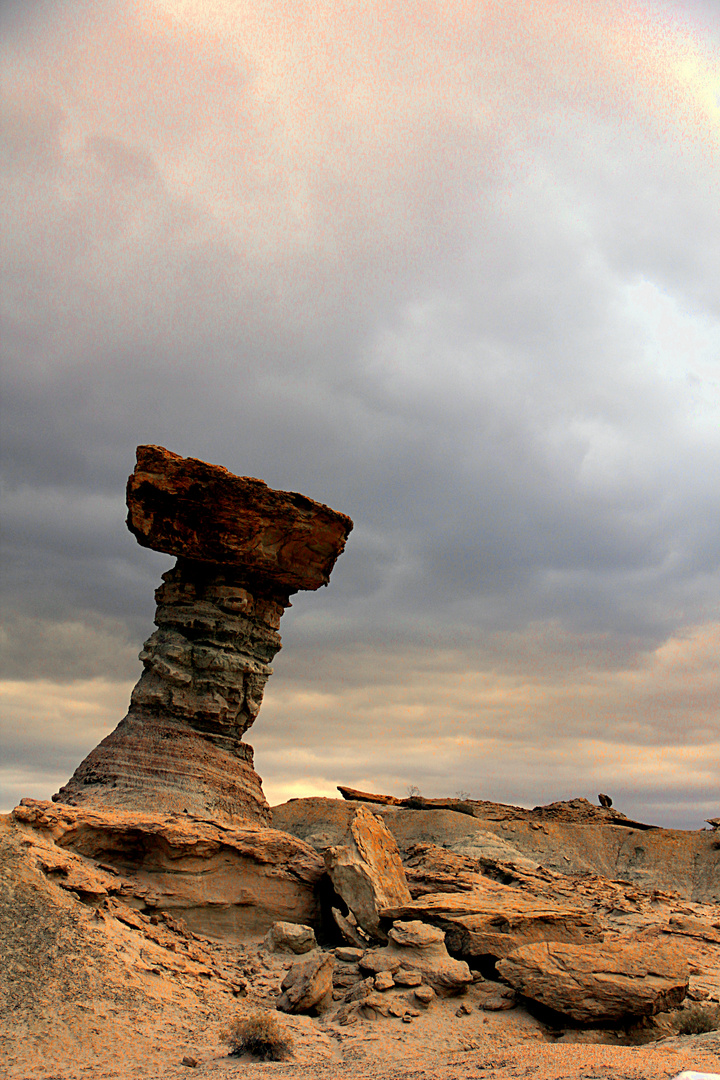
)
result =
(186, 507)
(242, 550)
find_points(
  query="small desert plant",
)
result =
(464, 795)
(413, 791)
(696, 1021)
(258, 1034)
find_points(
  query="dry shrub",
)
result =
(259, 1034)
(696, 1021)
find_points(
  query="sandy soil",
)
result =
(108, 993)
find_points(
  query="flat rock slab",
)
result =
(186, 507)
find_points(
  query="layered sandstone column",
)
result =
(242, 550)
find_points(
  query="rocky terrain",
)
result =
(129, 941)
(157, 899)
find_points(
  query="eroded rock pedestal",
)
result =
(242, 549)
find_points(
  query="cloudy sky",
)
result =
(451, 267)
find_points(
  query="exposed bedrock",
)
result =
(242, 549)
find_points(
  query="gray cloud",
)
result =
(472, 304)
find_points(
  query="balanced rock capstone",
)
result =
(242, 550)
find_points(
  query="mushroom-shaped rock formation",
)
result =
(242, 549)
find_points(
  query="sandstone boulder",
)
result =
(290, 937)
(421, 948)
(492, 919)
(308, 985)
(597, 984)
(498, 933)
(366, 870)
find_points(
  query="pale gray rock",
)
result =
(290, 937)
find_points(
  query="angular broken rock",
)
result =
(350, 930)
(366, 871)
(424, 995)
(601, 983)
(242, 550)
(404, 977)
(384, 980)
(308, 985)
(348, 955)
(377, 960)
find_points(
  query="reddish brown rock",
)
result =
(186, 507)
(242, 549)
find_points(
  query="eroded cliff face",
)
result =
(180, 747)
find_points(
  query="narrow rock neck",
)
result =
(209, 659)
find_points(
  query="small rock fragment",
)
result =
(348, 955)
(404, 977)
(374, 1005)
(191, 1062)
(379, 960)
(361, 990)
(384, 981)
(346, 975)
(424, 994)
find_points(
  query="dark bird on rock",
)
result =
(605, 800)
